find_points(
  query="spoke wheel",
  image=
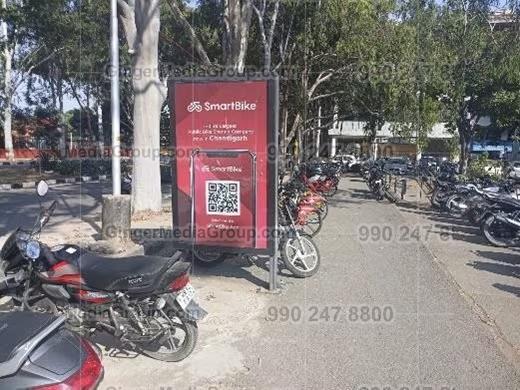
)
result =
(302, 259)
(498, 233)
(174, 337)
(312, 224)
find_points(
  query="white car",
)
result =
(514, 170)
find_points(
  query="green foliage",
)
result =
(77, 168)
(412, 63)
(482, 166)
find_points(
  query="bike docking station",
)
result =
(225, 165)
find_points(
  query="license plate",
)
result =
(185, 296)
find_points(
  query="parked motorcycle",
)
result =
(146, 302)
(306, 211)
(500, 222)
(320, 178)
(375, 177)
(39, 353)
(299, 253)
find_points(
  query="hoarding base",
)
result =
(273, 273)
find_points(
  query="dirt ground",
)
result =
(234, 295)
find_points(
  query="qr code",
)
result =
(223, 197)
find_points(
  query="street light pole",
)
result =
(116, 214)
(114, 83)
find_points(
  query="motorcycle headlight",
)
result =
(32, 249)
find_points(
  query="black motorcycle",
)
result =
(500, 221)
(146, 302)
(39, 353)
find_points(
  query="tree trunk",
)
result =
(8, 128)
(100, 130)
(267, 35)
(293, 133)
(8, 131)
(61, 127)
(466, 127)
(237, 20)
(88, 113)
(149, 97)
(465, 145)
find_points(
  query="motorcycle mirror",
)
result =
(42, 188)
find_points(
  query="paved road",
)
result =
(433, 338)
(75, 201)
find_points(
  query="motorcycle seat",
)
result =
(136, 273)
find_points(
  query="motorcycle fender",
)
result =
(193, 311)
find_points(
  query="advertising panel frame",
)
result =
(272, 112)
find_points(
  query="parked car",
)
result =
(397, 165)
(39, 353)
(428, 162)
(514, 170)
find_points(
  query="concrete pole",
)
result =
(116, 212)
(318, 133)
(114, 81)
(333, 146)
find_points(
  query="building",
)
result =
(349, 137)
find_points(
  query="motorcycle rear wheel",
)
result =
(332, 191)
(173, 353)
(312, 224)
(452, 209)
(488, 227)
(323, 210)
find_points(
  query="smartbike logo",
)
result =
(197, 106)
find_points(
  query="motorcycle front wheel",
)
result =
(302, 259)
(436, 198)
(6, 303)
(390, 196)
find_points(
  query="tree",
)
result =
(466, 35)
(267, 28)
(8, 90)
(237, 20)
(33, 39)
(141, 23)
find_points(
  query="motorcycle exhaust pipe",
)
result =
(509, 221)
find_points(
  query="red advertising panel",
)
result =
(224, 170)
